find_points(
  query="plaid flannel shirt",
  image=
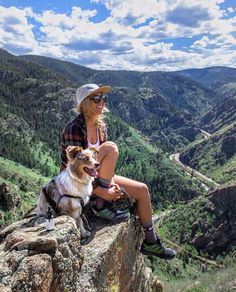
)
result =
(75, 134)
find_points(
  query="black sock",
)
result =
(104, 183)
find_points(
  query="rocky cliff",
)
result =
(215, 230)
(208, 222)
(33, 259)
(222, 234)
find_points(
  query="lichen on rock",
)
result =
(34, 259)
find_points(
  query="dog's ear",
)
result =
(94, 150)
(72, 151)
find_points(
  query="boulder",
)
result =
(34, 259)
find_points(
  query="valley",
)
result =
(176, 131)
(208, 182)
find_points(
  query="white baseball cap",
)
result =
(84, 91)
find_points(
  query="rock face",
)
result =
(33, 259)
(7, 200)
(121, 265)
(221, 233)
(224, 201)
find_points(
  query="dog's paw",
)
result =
(85, 234)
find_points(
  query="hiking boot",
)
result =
(110, 214)
(157, 249)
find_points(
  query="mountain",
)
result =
(32, 100)
(203, 233)
(221, 115)
(19, 189)
(216, 155)
(181, 92)
(221, 80)
(210, 77)
(67, 70)
(37, 102)
(161, 105)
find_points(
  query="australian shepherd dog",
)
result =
(70, 189)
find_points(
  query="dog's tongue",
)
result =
(91, 172)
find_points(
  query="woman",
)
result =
(87, 130)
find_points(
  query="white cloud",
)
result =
(230, 9)
(131, 12)
(15, 30)
(137, 35)
(222, 41)
(183, 12)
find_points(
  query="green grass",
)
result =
(23, 183)
(225, 129)
(226, 172)
(215, 280)
(199, 139)
(17, 174)
(186, 274)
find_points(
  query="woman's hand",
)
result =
(110, 194)
(116, 193)
(114, 184)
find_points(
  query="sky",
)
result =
(142, 35)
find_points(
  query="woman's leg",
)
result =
(139, 192)
(107, 157)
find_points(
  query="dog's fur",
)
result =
(76, 180)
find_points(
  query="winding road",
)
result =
(208, 183)
(192, 172)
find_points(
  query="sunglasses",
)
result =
(98, 98)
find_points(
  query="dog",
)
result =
(70, 189)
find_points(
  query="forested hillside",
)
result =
(37, 102)
(204, 235)
(180, 91)
(216, 156)
(22, 189)
(221, 115)
(164, 109)
(222, 80)
(152, 115)
(162, 105)
(32, 99)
